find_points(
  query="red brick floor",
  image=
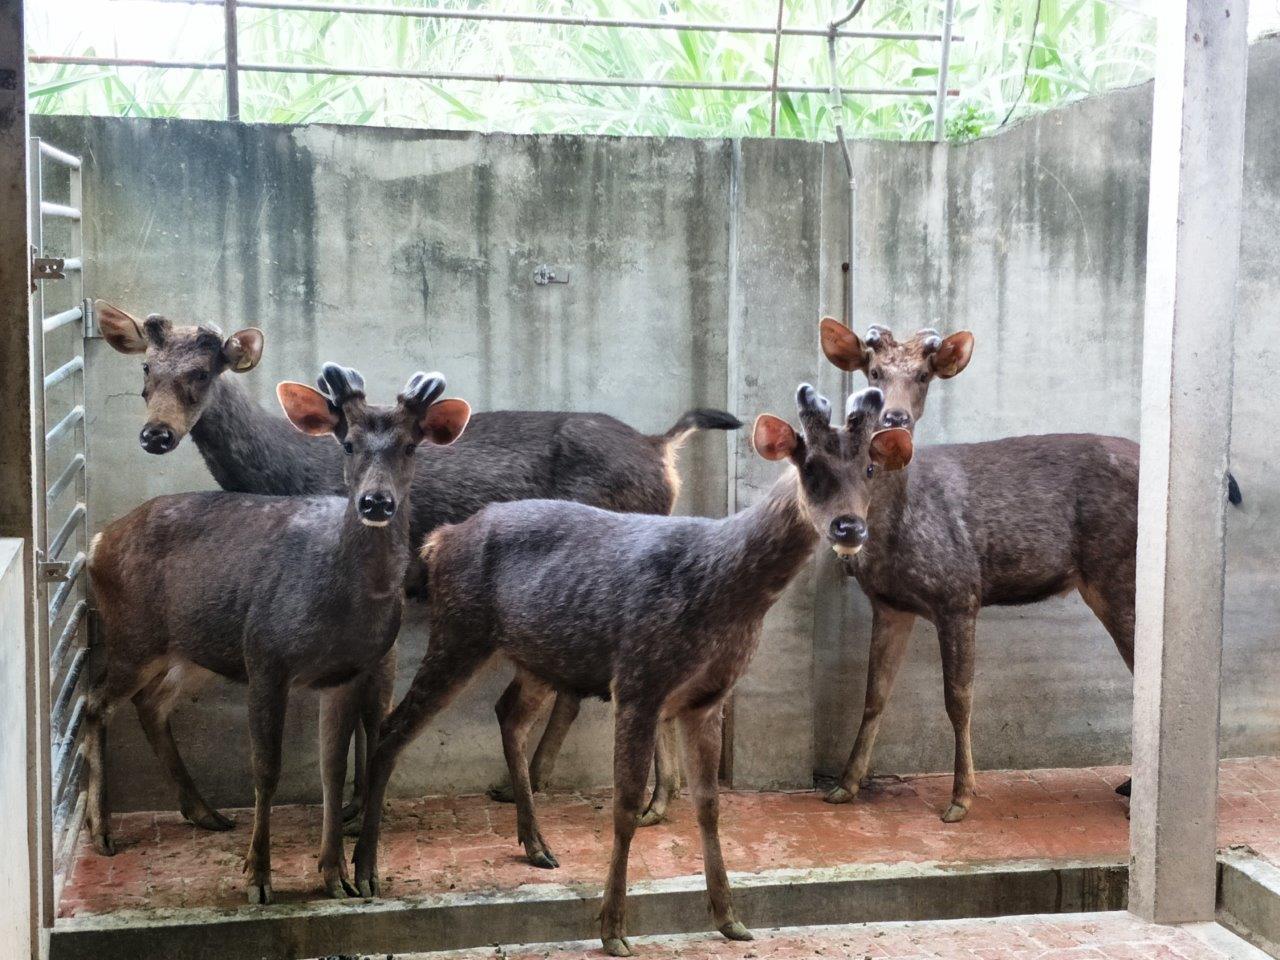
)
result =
(443, 844)
(1098, 936)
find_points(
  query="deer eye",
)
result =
(410, 449)
(874, 375)
(348, 447)
(922, 377)
(871, 469)
(200, 376)
(146, 368)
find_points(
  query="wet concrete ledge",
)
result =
(555, 912)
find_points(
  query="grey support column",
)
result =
(1193, 254)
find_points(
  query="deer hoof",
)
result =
(351, 812)
(368, 888)
(104, 845)
(1125, 789)
(352, 828)
(210, 819)
(259, 893)
(840, 795)
(955, 813)
(617, 947)
(547, 861)
(502, 793)
(736, 930)
(339, 888)
(651, 818)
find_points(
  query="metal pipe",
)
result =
(68, 474)
(64, 589)
(837, 112)
(62, 426)
(69, 633)
(940, 106)
(59, 156)
(833, 28)
(76, 516)
(68, 690)
(777, 55)
(72, 366)
(49, 209)
(62, 319)
(440, 13)
(231, 54)
(67, 748)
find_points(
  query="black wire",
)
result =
(1026, 67)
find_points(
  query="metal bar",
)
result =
(66, 747)
(626, 82)
(232, 56)
(72, 366)
(944, 66)
(68, 689)
(67, 827)
(59, 156)
(127, 62)
(76, 516)
(62, 319)
(773, 96)
(837, 113)
(69, 633)
(72, 263)
(62, 426)
(64, 589)
(64, 478)
(833, 28)
(77, 768)
(439, 13)
(50, 209)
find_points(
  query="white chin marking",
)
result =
(374, 523)
(846, 552)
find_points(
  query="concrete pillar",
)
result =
(1193, 253)
(26, 892)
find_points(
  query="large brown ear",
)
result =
(119, 329)
(892, 449)
(307, 409)
(842, 346)
(243, 350)
(445, 420)
(953, 356)
(774, 438)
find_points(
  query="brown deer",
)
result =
(970, 525)
(190, 384)
(660, 614)
(274, 592)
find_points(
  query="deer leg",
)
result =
(563, 713)
(375, 704)
(635, 729)
(268, 697)
(666, 775)
(339, 707)
(449, 663)
(118, 685)
(703, 737)
(956, 639)
(1112, 602)
(154, 704)
(890, 631)
(516, 711)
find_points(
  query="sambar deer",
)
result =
(190, 377)
(971, 525)
(660, 614)
(275, 592)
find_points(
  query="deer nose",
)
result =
(896, 418)
(848, 531)
(157, 438)
(378, 507)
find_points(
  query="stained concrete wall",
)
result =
(697, 271)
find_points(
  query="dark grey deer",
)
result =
(275, 592)
(971, 525)
(661, 614)
(591, 458)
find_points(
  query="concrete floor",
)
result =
(467, 844)
(1085, 936)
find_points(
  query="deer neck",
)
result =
(772, 538)
(377, 556)
(249, 450)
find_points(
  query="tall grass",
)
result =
(1080, 47)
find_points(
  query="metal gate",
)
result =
(60, 315)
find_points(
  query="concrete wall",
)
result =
(17, 920)
(697, 271)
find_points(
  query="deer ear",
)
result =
(122, 331)
(243, 350)
(953, 355)
(841, 345)
(774, 438)
(892, 449)
(445, 420)
(308, 409)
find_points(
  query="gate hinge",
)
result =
(52, 571)
(47, 268)
(545, 274)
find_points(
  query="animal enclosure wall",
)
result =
(697, 271)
